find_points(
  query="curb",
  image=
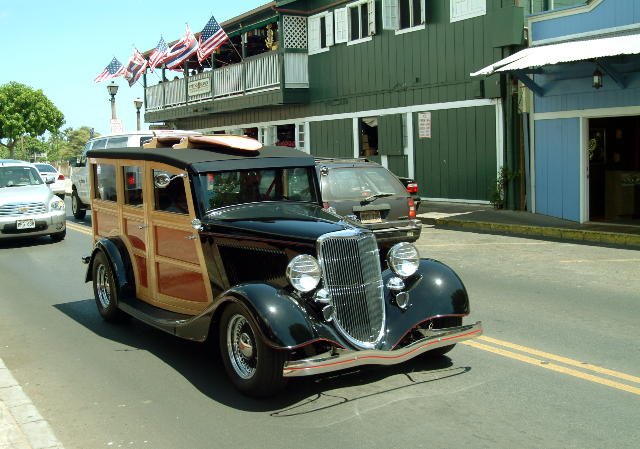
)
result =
(578, 235)
(21, 426)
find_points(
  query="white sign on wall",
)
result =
(424, 125)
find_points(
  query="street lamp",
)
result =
(113, 90)
(138, 104)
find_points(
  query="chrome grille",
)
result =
(17, 209)
(351, 270)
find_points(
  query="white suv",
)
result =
(80, 176)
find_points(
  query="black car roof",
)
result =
(211, 159)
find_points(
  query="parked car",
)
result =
(49, 171)
(79, 177)
(412, 188)
(229, 240)
(368, 193)
(28, 207)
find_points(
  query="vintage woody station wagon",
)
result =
(219, 237)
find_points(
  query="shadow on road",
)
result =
(199, 364)
(26, 242)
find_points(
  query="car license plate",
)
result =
(370, 216)
(28, 223)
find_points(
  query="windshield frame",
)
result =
(200, 183)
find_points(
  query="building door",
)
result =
(613, 153)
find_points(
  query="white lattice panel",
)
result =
(295, 32)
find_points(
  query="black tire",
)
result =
(442, 323)
(253, 367)
(59, 236)
(77, 208)
(104, 288)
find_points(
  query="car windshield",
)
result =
(228, 188)
(358, 183)
(17, 176)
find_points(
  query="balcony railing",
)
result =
(254, 74)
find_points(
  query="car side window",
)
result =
(172, 198)
(105, 182)
(132, 185)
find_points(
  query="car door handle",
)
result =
(190, 237)
(142, 226)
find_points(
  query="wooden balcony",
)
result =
(261, 73)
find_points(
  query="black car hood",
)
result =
(299, 221)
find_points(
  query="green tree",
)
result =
(25, 112)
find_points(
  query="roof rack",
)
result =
(213, 142)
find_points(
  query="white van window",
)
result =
(99, 144)
(117, 142)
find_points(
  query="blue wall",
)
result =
(577, 93)
(557, 167)
(608, 14)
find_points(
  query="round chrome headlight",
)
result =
(303, 273)
(403, 259)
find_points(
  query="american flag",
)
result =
(113, 70)
(211, 37)
(158, 54)
(181, 51)
(136, 67)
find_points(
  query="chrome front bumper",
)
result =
(342, 359)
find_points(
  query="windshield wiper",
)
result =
(374, 197)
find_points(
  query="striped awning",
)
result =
(580, 50)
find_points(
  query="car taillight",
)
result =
(412, 208)
(60, 177)
(412, 187)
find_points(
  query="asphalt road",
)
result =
(558, 367)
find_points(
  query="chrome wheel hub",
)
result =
(240, 346)
(103, 288)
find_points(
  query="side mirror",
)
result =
(162, 180)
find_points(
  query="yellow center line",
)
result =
(79, 228)
(598, 260)
(554, 367)
(442, 245)
(557, 358)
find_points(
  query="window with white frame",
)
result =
(403, 14)
(320, 32)
(355, 22)
(466, 9)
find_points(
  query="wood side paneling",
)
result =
(173, 243)
(177, 282)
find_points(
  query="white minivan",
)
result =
(80, 201)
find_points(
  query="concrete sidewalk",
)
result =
(21, 426)
(484, 218)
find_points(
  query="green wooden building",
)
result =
(385, 79)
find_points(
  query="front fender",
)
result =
(284, 321)
(435, 290)
(118, 256)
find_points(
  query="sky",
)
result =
(61, 46)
